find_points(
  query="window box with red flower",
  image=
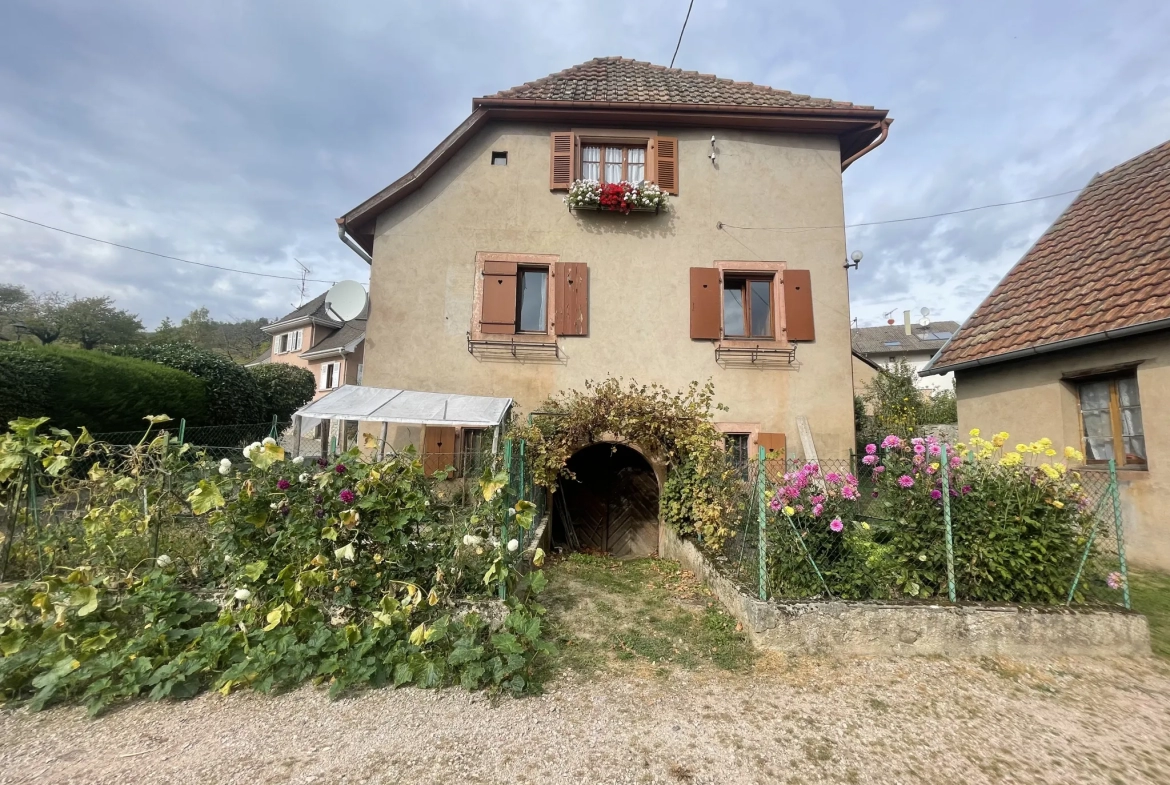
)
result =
(621, 197)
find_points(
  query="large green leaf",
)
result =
(205, 498)
(86, 597)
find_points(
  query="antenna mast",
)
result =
(305, 273)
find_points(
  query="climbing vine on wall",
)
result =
(672, 428)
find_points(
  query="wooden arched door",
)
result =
(612, 504)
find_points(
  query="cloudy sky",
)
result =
(233, 133)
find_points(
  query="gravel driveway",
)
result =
(788, 721)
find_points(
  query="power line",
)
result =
(161, 255)
(680, 33)
(722, 225)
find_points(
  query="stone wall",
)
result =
(887, 629)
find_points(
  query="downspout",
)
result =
(352, 243)
(885, 124)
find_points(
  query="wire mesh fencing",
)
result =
(806, 532)
(217, 441)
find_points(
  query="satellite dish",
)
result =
(924, 321)
(345, 300)
(925, 312)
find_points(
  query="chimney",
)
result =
(906, 316)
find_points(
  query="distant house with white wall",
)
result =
(310, 337)
(915, 344)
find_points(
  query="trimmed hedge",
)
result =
(75, 388)
(285, 388)
(233, 396)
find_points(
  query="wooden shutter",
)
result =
(571, 315)
(798, 306)
(774, 443)
(497, 313)
(666, 164)
(438, 448)
(706, 304)
(561, 164)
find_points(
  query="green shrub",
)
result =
(76, 388)
(27, 380)
(285, 388)
(233, 396)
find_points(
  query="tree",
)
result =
(42, 316)
(13, 301)
(94, 321)
(240, 341)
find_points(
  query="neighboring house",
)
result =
(485, 282)
(865, 371)
(915, 344)
(1074, 343)
(311, 338)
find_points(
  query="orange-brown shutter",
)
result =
(666, 164)
(572, 298)
(498, 310)
(706, 303)
(776, 453)
(798, 306)
(561, 166)
(438, 448)
(773, 443)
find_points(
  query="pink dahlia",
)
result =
(347, 496)
(878, 469)
(775, 504)
(869, 460)
(836, 525)
(891, 441)
(936, 494)
(906, 481)
(833, 477)
(870, 449)
(817, 510)
(935, 449)
(848, 492)
(919, 449)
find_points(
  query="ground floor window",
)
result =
(1111, 417)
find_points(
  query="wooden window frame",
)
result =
(606, 137)
(625, 148)
(748, 271)
(747, 281)
(1114, 421)
(548, 285)
(521, 260)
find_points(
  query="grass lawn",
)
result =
(1150, 594)
(611, 614)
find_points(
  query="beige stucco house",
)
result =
(311, 337)
(484, 280)
(1074, 343)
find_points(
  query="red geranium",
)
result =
(613, 197)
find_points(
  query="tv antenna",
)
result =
(305, 273)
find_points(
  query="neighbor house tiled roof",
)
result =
(338, 339)
(892, 339)
(1103, 266)
(621, 80)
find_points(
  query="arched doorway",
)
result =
(612, 504)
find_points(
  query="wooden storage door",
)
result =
(438, 448)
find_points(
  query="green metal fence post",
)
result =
(946, 500)
(35, 515)
(272, 432)
(762, 513)
(504, 523)
(1116, 495)
(182, 430)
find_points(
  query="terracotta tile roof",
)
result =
(892, 338)
(1103, 266)
(620, 80)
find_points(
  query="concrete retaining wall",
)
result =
(886, 629)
